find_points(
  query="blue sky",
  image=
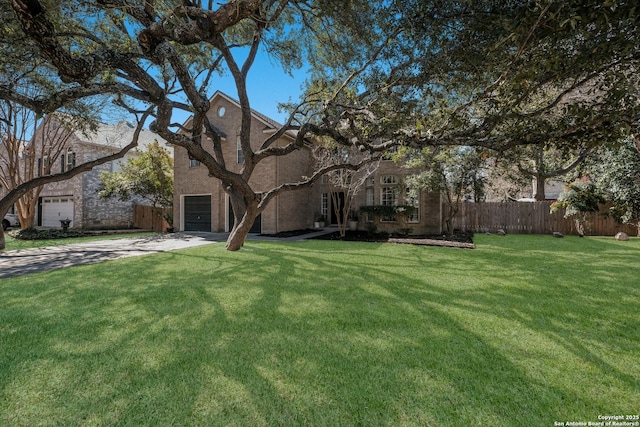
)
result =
(267, 85)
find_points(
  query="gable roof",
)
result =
(268, 122)
(118, 135)
(271, 125)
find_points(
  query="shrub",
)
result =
(578, 199)
(50, 234)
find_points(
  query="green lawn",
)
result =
(522, 331)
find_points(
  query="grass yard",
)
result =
(522, 331)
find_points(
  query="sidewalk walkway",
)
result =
(26, 261)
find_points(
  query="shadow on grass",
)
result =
(327, 334)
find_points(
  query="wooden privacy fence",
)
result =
(531, 218)
(150, 218)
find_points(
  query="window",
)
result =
(221, 111)
(193, 163)
(71, 160)
(370, 197)
(369, 201)
(371, 181)
(388, 179)
(324, 205)
(414, 201)
(389, 194)
(43, 166)
(240, 153)
(67, 161)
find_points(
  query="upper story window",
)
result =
(221, 111)
(43, 167)
(240, 153)
(67, 160)
(388, 179)
(193, 163)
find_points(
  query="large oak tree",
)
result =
(490, 73)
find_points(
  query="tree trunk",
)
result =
(240, 230)
(339, 210)
(245, 213)
(451, 212)
(3, 242)
(27, 210)
(540, 190)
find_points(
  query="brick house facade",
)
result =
(200, 203)
(385, 187)
(77, 199)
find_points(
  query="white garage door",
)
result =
(56, 208)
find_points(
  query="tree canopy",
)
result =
(475, 73)
(615, 170)
(148, 175)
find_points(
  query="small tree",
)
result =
(538, 164)
(457, 173)
(579, 199)
(616, 173)
(149, 176)
(346, 181)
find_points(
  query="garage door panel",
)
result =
(197, 213)
(55, 209)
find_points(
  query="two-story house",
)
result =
(200, 203)
(77, 198)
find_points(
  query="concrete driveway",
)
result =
(26, 261)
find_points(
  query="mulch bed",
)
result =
(456, 240)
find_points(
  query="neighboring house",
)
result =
(77, 199)
(200, 203)
(11, 217)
